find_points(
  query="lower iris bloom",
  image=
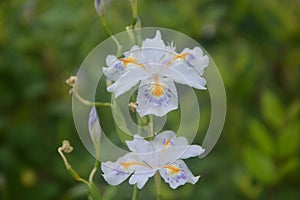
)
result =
(163, 155)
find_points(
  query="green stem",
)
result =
(134, 8)
(71, 171)
(94, 170)
(157, 180)
(150, 127)
(86, 102)
(108, 31)
(135, 194)
(139, 123)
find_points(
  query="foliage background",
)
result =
(256, 45)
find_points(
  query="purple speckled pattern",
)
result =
(175, 177)
(158, 101)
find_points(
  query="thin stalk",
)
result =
(135, 194)
(150, 127)
(108, 31)
(96, 164)
(71, 171)
(94, 170)
(134, 9)
(89, 103)
(139, 123)
(157, 180)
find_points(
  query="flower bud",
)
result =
(98, 7)
(94, 126)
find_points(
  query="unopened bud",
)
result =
(71, 81)
(132, 106)
(98, 7)
(66, 147)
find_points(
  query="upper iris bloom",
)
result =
(156, 66)
(164, 155)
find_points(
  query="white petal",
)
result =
(182, 73)
(136, 52)
(115, 68)
(142, 148)
(170, 148)
(177, 174)
(196, 59)
(154, 49)
(156, 97)
(139, 145)
(94, 126)
(192, 151)
(168, 138)
(129, 79)
(169, 154)
(115, 173)
(140, 178)
(164, 138)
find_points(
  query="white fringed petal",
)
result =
(177, 174)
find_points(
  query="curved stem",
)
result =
(134, 9)
(108, 31)
(86, 102)
(158, 186)
(150, 127)
(94, 170)
(135, 194)
(71, 171)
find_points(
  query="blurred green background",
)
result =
(255, 44)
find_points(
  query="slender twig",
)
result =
(108, 31)
(88, 103)
(157, 180)
(134, 9)
(150, 127)
(72, 172)
(94, 170)
(135, 194)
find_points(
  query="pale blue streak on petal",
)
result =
(94, 125)
(98, 7)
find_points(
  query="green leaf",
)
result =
(272, 109)
(261, 137)
(260, 166)
(293, 111)
(289, 140)
(94, 192)
(289, 167)
(247, 187)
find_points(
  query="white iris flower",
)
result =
(164, 155)
(156, 67)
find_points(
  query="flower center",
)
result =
(172, 169)
(157, 88)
